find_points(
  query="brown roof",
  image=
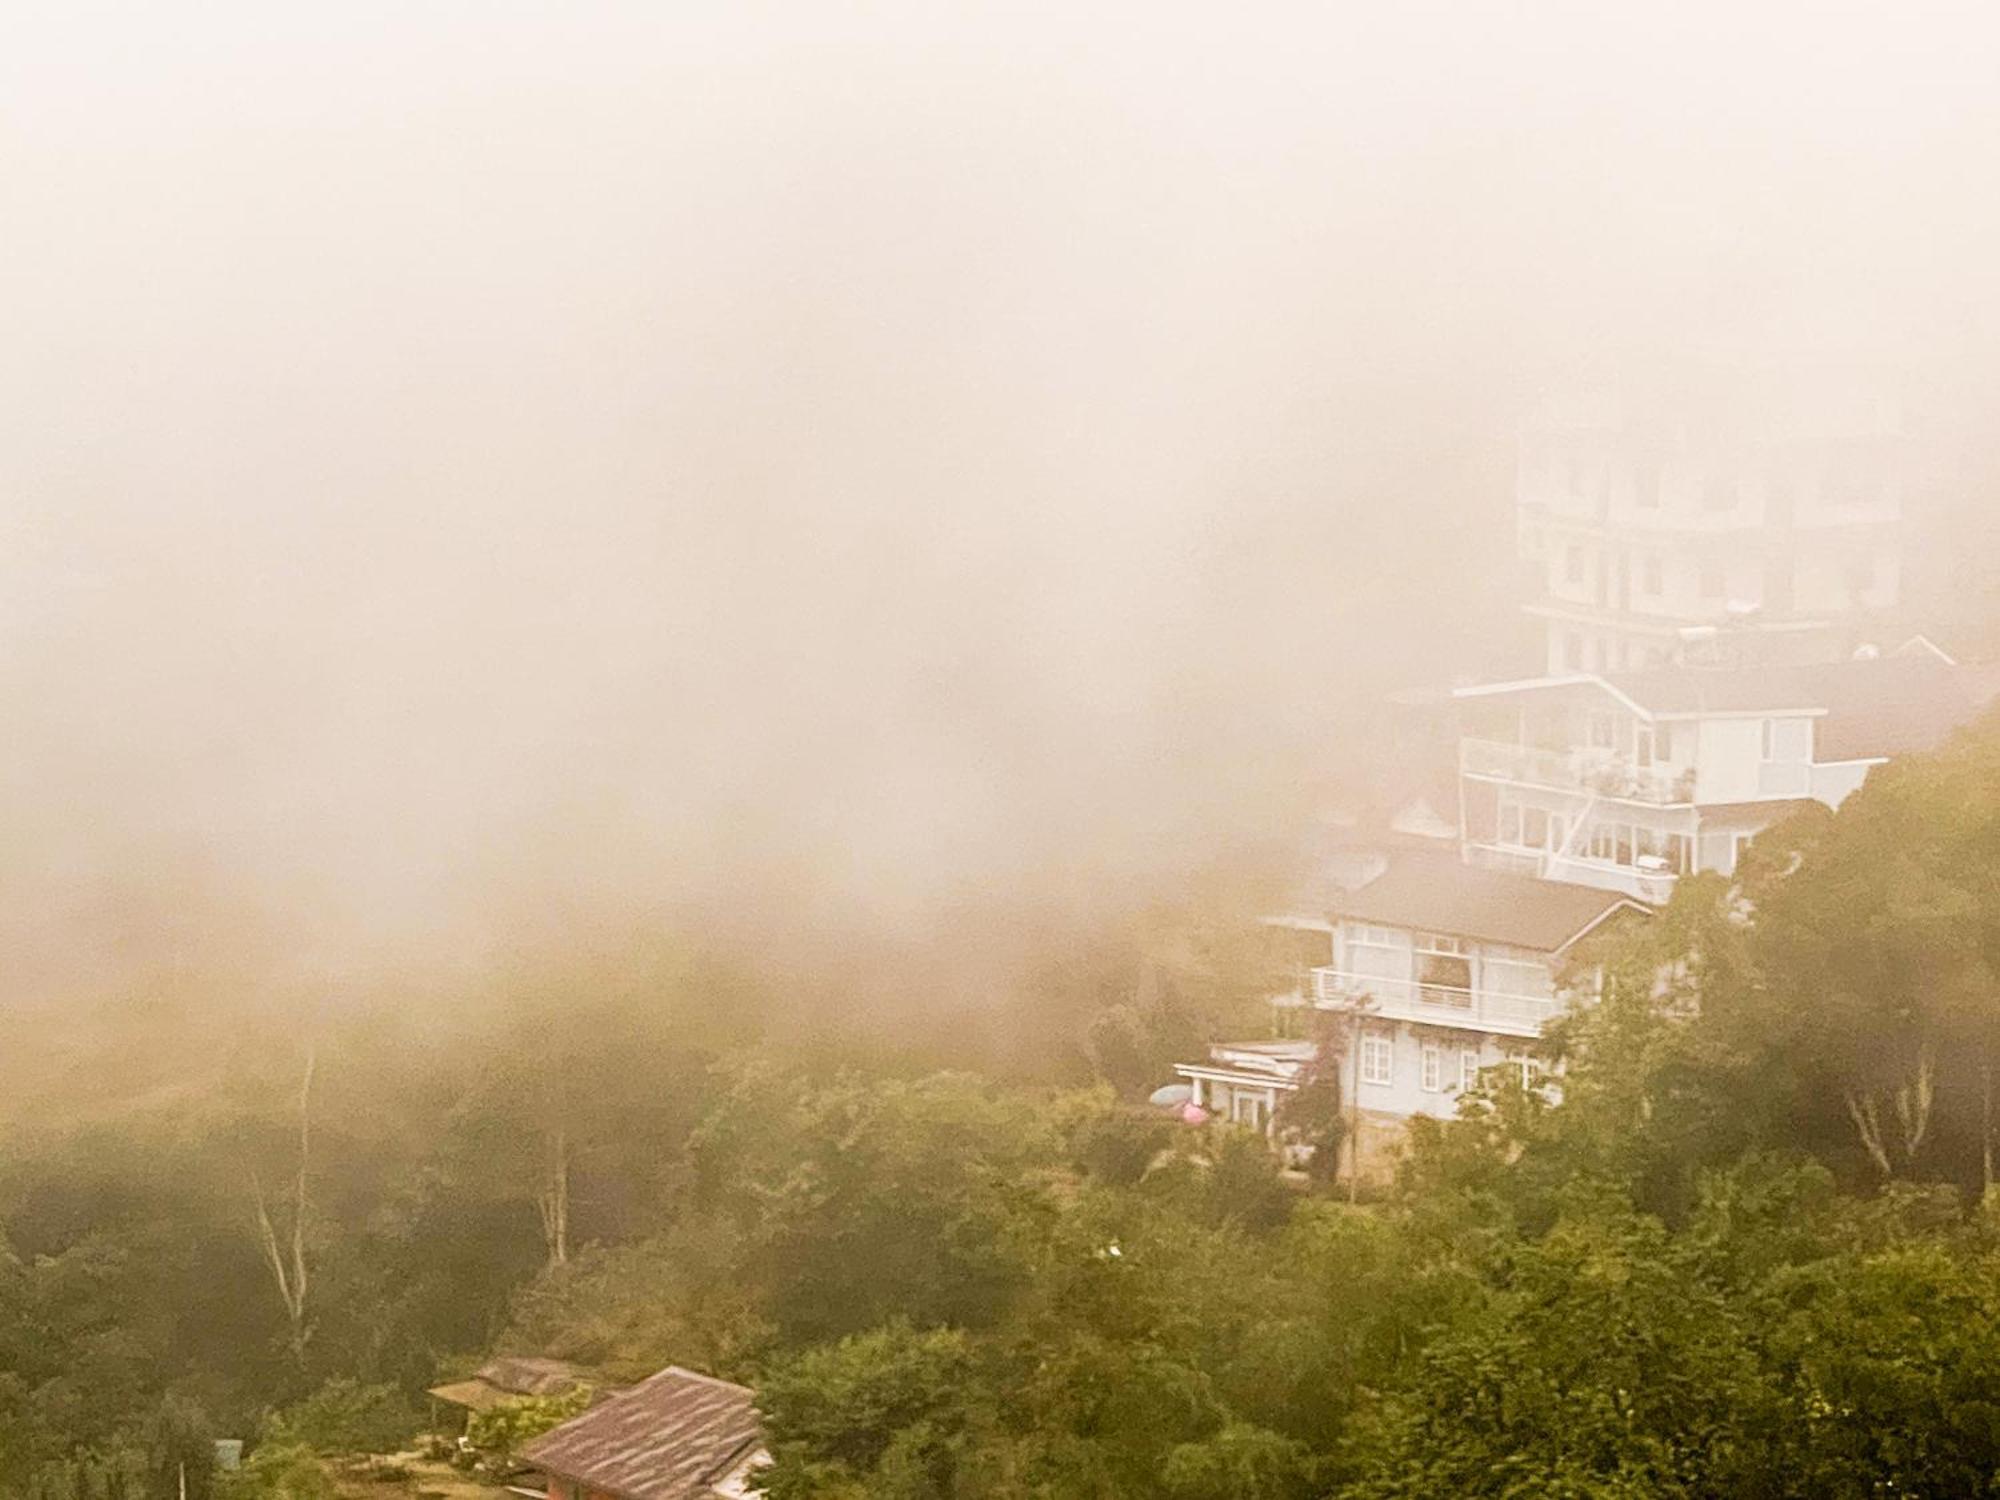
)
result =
(673, 1436)
(1441, 893)
(506, 1379)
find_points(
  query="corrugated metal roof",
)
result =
(674, 1436)
(1440, 893)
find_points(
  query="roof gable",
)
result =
(1442, 894)
(674, 1436)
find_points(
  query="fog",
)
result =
(852, 482)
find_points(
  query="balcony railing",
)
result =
(1599, 771)
(1655, 887)
(1475, 1009)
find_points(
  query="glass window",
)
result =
(1680, 853)
(1652, 577)
(1573, 563)
(1433, 1070)
(1377, 1060)
(1603, 730)
(1446, 979)
(1534, 828)
(1468, 1070)
(1249, 1109)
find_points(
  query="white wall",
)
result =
(1405, 1095)
(1833, 784)
(1729, 759)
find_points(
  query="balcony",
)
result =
(1602, 772)
(1654, 887)
(1475, 1009)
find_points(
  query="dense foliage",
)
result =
(1753, 1250)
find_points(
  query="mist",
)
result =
(854, 483)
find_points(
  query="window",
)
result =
(1603, 730)
(1714, 582)
(1738, 842)
(1680, 853)
(1443, 971)
(1603, 841)
(1372, 937)
(1652, 577)
(1510, 822)
(1572, 652)
(1253, 1110)
(1468, 1071)
(1574, 563)
(1433, 1070)
(1534, 828)
(1377, 1060)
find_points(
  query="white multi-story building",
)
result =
(1583, 799)
(1630, 781)
(1654, 543)
(1443, 970)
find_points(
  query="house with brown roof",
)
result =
(1444, 970)
(509, 1378)
(677, 1435)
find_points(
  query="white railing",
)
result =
(1597, 771)
(1655, 888)
(1476, 1009)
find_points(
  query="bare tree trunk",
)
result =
(1354, 1113)
(1868, 1125)
(1913, 1102)
(288, 1263)
(1986, 1124)
(553, 1202)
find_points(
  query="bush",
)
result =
(346, 1417)
(278, 1470)
(501, 1431)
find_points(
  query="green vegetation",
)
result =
(1754, 1251)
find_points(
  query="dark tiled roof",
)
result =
(674, 1436)
(1440, 893)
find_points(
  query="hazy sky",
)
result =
(835, 468)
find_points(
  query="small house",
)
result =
(677, 1435)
